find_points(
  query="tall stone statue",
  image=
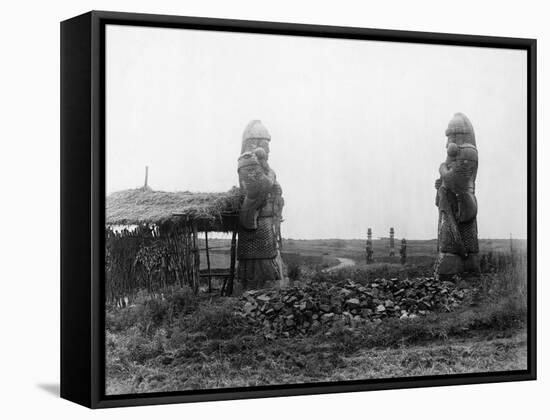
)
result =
(260, 216)
(457, 229)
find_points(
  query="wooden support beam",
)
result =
(195, 257)
(229, 290)
(188, 256)
(208, 262)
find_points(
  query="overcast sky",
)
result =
(357, 126)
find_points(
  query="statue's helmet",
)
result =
(254, 135)
(461, 130)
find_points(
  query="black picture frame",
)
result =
(83, 206)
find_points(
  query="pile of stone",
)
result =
(307, 308)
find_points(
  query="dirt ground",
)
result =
(191, 342)
(291, 361)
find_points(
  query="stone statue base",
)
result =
(448, 265)
(258, 274)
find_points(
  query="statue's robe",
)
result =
(259, 223)
(457, 227)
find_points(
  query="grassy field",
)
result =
(418, 251)
(184, 342)
(323, 253)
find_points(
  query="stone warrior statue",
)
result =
(457, 229)
(403, 251)
(260, 216)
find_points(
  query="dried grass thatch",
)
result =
(145, 206)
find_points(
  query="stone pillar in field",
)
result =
(369, 249)
(392, 242)
(457, 242)
(403, 251)
(259, 259)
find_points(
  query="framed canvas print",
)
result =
(255, 209)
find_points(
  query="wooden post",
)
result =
(208, 262)
(188, 272)
(232, 266)
(189, 257)
(196, 257)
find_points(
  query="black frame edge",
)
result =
(83, 124)
(98, 209)
(76, 186)
(311, 389)
(532, 206)
(311, 30)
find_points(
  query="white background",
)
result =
(29, 309)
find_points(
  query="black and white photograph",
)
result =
(280, 209)
(285, 210)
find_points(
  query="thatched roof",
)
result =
(143, 205)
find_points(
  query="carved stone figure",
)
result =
(369, 249)
(392, 242)
(260, 216)
(457, 229)
(403, 251)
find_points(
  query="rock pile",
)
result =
(305, 308)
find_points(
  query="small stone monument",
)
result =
(403, 251)
(369, 249)
(392, 242)
(457, 240)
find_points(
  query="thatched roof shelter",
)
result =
(178, 218)
(209, 211)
